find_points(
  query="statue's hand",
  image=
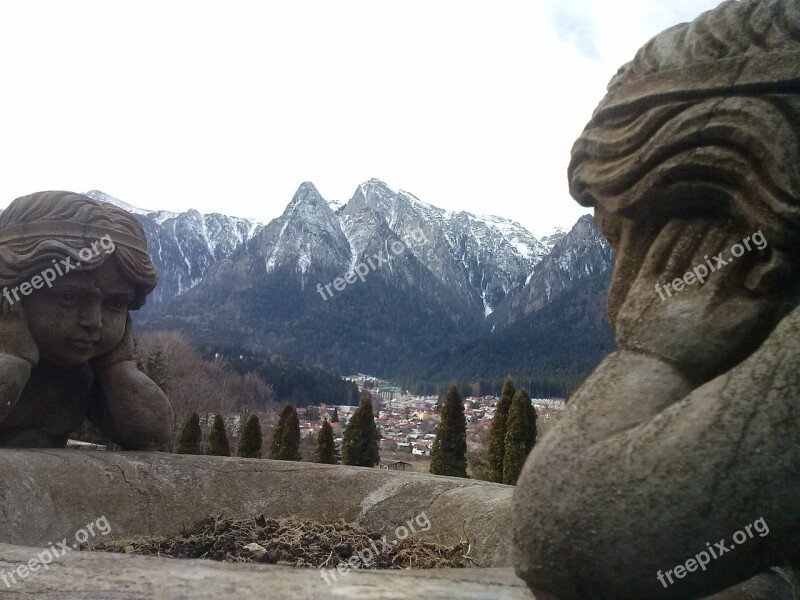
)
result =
(705, 328)
(122, 352)
(15, 335)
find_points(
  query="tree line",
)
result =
(359, 446)
(292, 382)
(171, 362)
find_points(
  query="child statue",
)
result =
(71, 269)
(688, 435)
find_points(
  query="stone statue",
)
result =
(71, 269)
(690, 432)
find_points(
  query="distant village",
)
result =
(407, 423)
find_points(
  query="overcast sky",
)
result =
(228, 106)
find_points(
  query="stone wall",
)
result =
(50, 494)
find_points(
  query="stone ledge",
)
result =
(90, 575)
(50, 494)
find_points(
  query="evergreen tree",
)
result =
(155, 367)
(520, 436)
(335, 415)
(189, 438)
(217, 444)
(277, 433)
(360, 445)
(497, 437)
(449, 452)
(326, 447)
(312, 413)
(250, 441)
(286, 435)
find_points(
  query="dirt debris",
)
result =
(294, 542)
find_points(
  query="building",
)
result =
(548, 411)
(395, 465)
(420, 450)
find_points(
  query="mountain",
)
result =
(275, 293)
(549, 351)
(553, 237)
(185, 245)
(581, 253)
(383, 284)
(481, 259)
(429, 281)
(103, 197)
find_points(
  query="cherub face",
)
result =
(82, 316)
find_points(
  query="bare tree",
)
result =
(204, 386)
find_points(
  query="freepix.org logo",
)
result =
(700, 273)
(45, 558)
(365, 557)
(59, 269)
(373, 263)
(703, 558)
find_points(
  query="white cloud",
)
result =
(229, 106)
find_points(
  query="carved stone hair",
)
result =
(47, 226)
(705, 119)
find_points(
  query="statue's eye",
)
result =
(117, 303)
(68, 298)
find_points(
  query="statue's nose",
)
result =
(91, 316)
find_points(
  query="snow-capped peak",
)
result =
(552, 238)
(336, 204)
(103, 197)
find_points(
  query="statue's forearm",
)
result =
(627, 389)
(14, 375)
(134, 412)
(653, 494)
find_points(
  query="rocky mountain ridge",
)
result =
(458, 278)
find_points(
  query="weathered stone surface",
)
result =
(689, 433)
(764, 586)
(71, 269)
(91, 575)
(49, 494)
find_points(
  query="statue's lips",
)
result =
(83, 343)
